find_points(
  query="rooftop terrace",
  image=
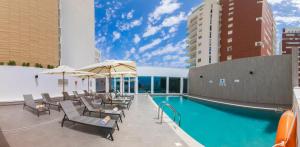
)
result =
(140, 128)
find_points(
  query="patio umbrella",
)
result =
(62, 70)
(111, 68)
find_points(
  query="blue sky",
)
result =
(153, 32)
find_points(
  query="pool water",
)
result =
(217, 125)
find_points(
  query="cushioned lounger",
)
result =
(71, 114)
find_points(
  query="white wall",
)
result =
(16, 81)
(77, 33)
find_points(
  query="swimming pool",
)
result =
(215, 125)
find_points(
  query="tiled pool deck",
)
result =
(140, 128)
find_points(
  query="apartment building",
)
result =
(78, 33)
(29, 32)
(247, 29)
(203, 34)
(290, 40)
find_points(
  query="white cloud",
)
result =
(167, 22)
(136, 39)
(296, 3)
(129, 53)
(130, 14)
(172, 30)
(116, 35)
(275, 1)
(151, 30)
(174, 20)
(179, 48)
(287, 19)
(130, 25)
(165, 7)
(150, 45)
(170, 57)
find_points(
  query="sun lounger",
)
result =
(50, 102)
(71, 114)
(68, 97)
(105, 99)
(29, 102)
(89, 107)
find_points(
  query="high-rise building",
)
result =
(247, 29)
(203, 34)
(290, 40)
(29, 32)
(77, 21)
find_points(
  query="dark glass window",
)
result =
(174, 85)
(160, 84)
(144, 84)
(126, 85)
(185, 85)
(117, 84)
(112, 84)
(132, 85)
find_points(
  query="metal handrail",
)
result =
(176, 113)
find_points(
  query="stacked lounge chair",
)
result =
(106, 100)
(71, 114)
(89, 107)
(68, 97)
(49, 101)
(29, 102)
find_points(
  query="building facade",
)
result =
(247, 29)
(29, 33)
(203, 34)
(290, 40)
(77, 33)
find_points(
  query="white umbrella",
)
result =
(63, 70)
(111, 68)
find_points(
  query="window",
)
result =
(258, 18)
(229, 40)
(259, 43)
(126, 85)
(174, 85)
(229, 48)
(229, 32)
(230, 19)
(229, 57)
(230, 13)
(185, 85)
(132, 85)
(144, 84)
(230, 25)
(117, 84)
(199, 52)
(231, 8)
(231, 4)
(160, 84)
(199, 60)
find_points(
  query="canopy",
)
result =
(112, 68)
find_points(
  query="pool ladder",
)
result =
(160, 112)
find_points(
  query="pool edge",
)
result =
(190, 141)
(234, 104)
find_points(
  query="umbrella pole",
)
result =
(88, 83)
(63, 85)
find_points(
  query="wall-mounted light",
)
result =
(36, 76)
(251, 72)
(201, 76)
(82, 79)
